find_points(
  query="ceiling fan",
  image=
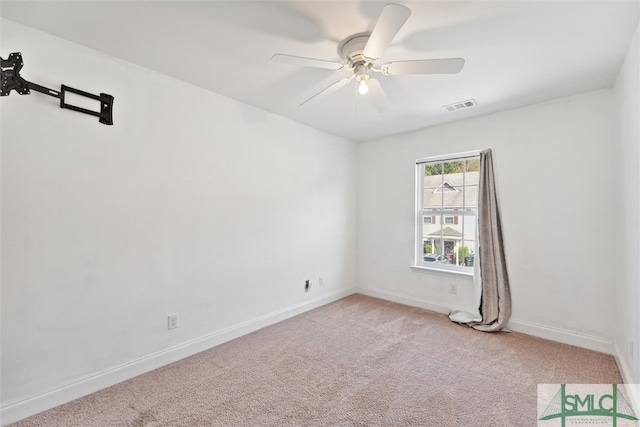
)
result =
(360, 53)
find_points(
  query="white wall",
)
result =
(197, 204)
(627, 137)
(555, 174)
(190, 203)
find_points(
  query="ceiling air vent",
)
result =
(460, 105)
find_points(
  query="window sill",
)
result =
(442, 270)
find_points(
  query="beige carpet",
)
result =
(357, 362)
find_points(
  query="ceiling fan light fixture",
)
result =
(363, 88)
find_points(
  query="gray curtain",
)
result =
(491, 272)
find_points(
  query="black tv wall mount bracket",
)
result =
(11, 80)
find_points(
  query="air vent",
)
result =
(460, 105)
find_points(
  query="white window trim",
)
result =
(450, 270)
(419, 182)
(449, 157)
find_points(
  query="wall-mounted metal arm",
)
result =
(11, 80)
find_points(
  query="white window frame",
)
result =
(420, 212)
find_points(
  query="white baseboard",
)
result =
(542, 331)
(15, 411)
(625, 371)
(438, 307)
(564, 336)
(632, 386)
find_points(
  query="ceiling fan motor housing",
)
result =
(350, 49)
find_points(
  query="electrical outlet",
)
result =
(172, 321)
(453, 288)
(321, 281)
(307, 285)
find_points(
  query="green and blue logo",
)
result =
(593, 403)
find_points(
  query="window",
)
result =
(447, 204)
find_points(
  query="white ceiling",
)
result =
(517, 53)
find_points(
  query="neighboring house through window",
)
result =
(449, 220)
(447, 204)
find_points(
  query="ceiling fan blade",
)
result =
(377, 96)
(391, 19)
(306, 62)
(423, 66)
(330, 89)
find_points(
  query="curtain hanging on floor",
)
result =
(490, 269)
